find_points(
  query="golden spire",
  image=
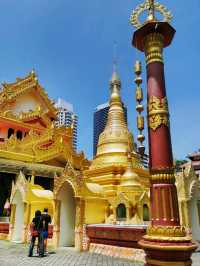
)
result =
(151, 15)
(116, 139)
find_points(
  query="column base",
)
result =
(168, 253)
(152, 262)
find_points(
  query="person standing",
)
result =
(35, 230)
(45, 221)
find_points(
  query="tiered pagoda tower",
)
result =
(117, 166)
(166, 242)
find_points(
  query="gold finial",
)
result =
(151, 6)
(151, 15)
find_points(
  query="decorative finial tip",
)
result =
(152, 7)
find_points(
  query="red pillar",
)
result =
(166, 242)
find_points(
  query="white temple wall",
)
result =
(195, 220)
(67, 216)
(19, 218)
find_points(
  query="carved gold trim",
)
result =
(167, 233)
(158, 112)
(168, 263)
(157, 246)
(163, 177)
(153, 46)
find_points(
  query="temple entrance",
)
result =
(19, 218)
(67, 215)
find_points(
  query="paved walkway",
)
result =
(16, 254)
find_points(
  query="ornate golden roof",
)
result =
(46, 146)
(115, 140)
(29, 116)
(10, 91)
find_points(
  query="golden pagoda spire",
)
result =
(116, 139)
(116, 112)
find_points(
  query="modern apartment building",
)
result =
(66, 117)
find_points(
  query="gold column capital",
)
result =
(153, 46)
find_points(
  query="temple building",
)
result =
(195, 161)
(41, 168)
(32, 148)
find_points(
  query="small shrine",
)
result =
(26, 198)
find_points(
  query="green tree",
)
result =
(179, 163)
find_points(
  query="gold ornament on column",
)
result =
(139, 106)
(151, 7)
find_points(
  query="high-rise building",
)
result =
(67, 117)
(99, 122)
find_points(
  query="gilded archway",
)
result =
(75, 179)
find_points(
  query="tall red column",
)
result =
(166, 242)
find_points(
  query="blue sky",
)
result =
(70, 45)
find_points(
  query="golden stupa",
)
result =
(117, 166)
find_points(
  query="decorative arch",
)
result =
(73, 177)
(120, 199)
(59, 182)
(20, 185)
